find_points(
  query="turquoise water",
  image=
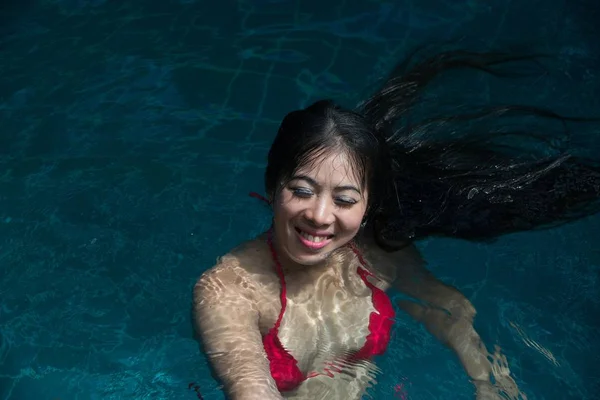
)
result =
(132, 131)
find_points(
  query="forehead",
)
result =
(333, 168)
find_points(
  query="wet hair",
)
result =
(305, 136)
(464, 176)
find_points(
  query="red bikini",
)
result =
(284, 368)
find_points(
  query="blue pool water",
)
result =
(132, 131)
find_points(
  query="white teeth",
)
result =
(312, 238)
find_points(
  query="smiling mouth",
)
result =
(313, 242)
(315, 239)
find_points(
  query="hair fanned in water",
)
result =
(455, 176)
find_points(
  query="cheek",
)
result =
(283, 209)
(351, 222)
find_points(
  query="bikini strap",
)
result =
(259, 196)
(362, 261)
(279, 271)
(278, 268)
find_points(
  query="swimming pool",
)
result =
(132, 132)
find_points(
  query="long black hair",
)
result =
(444, 175)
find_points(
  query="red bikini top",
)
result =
(284, 368)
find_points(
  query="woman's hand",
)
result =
(504, 386)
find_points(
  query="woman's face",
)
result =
(319, 210)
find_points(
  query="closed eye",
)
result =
(345, 202)
(305, 193)
(301, 192)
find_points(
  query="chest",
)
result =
(324, 317)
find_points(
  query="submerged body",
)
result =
(286, 372)
(326, 318)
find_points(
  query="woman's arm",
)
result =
(449, 317)
(226, 319)
(441, 308)
(447, 314)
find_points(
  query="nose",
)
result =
(320, 212)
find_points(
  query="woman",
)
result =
(300, 311)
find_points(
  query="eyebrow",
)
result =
(314, 183)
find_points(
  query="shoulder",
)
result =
(239, 272)
(388, 264)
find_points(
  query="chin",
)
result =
(297, 253)
(308, 259)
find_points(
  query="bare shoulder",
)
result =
(391, 265)
(226, 317)
(238, 272)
